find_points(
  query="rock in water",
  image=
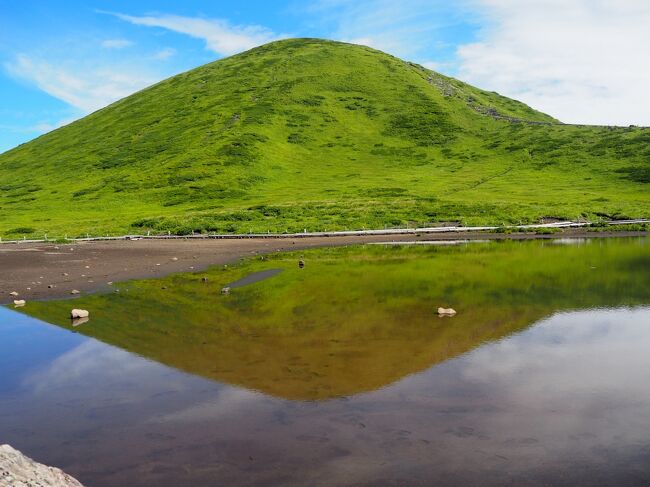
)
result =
(446, 311)
(17, 470)
(79, 313)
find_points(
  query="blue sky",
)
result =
(579, 60)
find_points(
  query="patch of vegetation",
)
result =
(638, 174)
(386, 192)
(21, 230)
(632, 227)
(547, 231)
(313, 101)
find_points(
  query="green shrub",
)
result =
(21, 230)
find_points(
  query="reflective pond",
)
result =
(341, 372)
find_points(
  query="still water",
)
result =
(341, 373)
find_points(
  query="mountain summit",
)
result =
(309, 133)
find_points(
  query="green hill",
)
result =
(315, 134)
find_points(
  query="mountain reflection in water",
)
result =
(357, 319)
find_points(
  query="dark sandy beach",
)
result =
(47, 271)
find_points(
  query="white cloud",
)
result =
(164, 54)
(219, 35)
(230, 401)
(363, 41)
(583, 61)
(406, 29)
(87, 359)
(43, 127)
(116, 43)
(432, 65)
(86, 88)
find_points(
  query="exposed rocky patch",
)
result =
(18, 470)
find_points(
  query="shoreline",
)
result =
(42, 271)
(554, 226)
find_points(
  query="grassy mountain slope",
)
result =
(316, 134)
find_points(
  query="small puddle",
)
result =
(254, 277)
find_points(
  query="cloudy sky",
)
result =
(582, 61)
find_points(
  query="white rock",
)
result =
(19, 302)
(13, 293)
(174, 259)
(74, 291)
(18, 470)
(446, 311)
(79, 313)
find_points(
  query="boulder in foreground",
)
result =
(17, 470)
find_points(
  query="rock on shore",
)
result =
(17, 470)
